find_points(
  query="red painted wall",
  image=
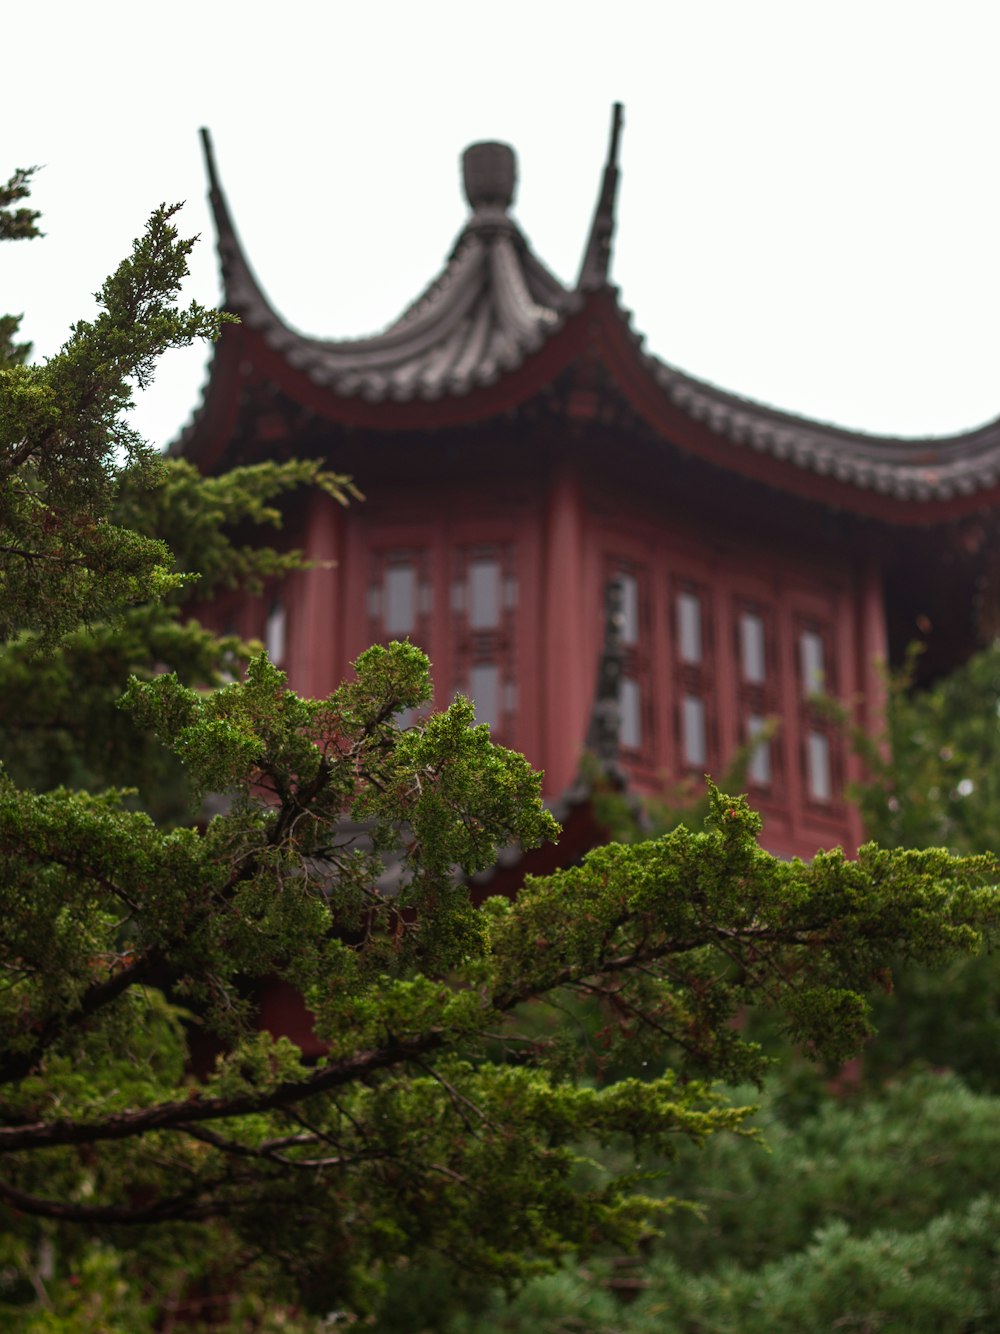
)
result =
(565, 535)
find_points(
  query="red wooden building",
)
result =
(519, 449)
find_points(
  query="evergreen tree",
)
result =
(437, 1121)
(934, 780)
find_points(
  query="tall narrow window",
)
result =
(759, 767)
(692, 684)
(689, 639)
(819, 743)
(811, 662)
(818, 773)
(484, 593)
(636, 695)
(275, 629)
(399, 615)
(757, 687)
(693, 733)
(753, 660)
(400, 596)
(630, 609)
(484, 687)
(631, 714)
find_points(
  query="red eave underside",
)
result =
(599, 328)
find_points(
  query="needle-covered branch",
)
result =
(139, 1085)
(430, 1081)
(65, 444)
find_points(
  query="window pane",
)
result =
(400, 599)
(274, 633)
(631, 714)
(759, 768)
(689, 627)
(484, 688)
(510, 696)
(630, 608)
(752, 660)
(484, 594)
(818, 766)
(693, 730)
(811, 662)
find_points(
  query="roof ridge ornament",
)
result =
(597, 257)
(489, 173)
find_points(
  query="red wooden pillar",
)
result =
(787, 743)
(850, 652)
(873, 655)
(566, 637)
(314, 653)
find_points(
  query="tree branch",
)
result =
(20, 1064)
(174, 1115)
(186, 1206)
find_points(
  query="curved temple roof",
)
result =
(495, 305)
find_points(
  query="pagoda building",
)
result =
(521, 452)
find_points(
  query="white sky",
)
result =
(809, 212)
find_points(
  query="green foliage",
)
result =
(935, 780)
(935, 776)
(917, 1149)
(16, 224)
(64, 443)
(941, 1278)
(879, 1215)
(435, 1120)
(202, 518)
(629, 818)
(405, 1128)
(60, 714)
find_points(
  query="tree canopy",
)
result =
(439, 1118)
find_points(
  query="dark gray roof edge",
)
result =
(913, 468)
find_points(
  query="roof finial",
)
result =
(597, 256)
(489, 171)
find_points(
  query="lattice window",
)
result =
(758, 691)
(484, 605)
(693, 640)
(819, 741)
(400, 596)
(276, 632)
(636, 696)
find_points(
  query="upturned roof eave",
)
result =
(427, 352)
(899, 480)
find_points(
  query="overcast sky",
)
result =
(809, 211)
